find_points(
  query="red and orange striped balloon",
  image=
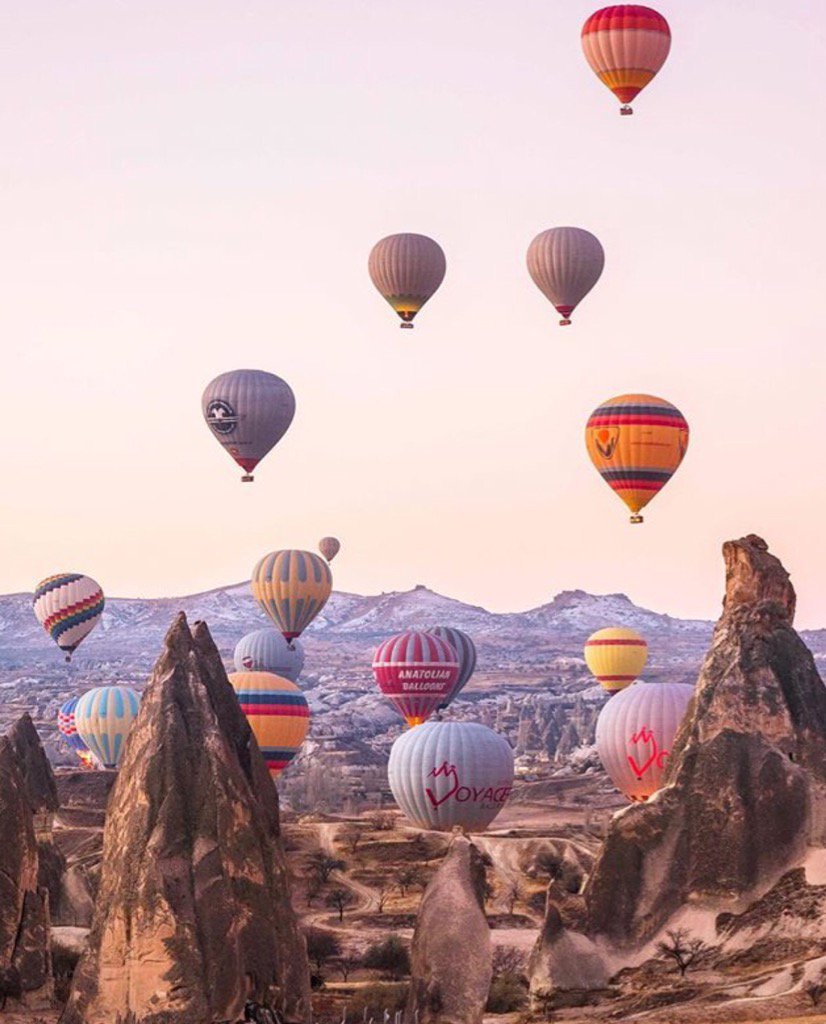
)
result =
(626, 45)
(636, 443)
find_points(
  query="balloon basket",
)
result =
(247, 478)
(406, 326)
(626, 111)
(565, 322)
(636, 519)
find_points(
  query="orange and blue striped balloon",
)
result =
(292, 587)
(277, 712)
(636, 443)
(626, 45)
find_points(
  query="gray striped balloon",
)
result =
(466, 653)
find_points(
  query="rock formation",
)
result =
(193, 917)
(744, 799)
(25, 964)
(451, 954)
(44, 803)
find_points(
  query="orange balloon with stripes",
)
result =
(626, 45)
(636, 443)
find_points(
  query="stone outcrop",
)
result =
(744, 799)
(451, 954)
(193, 917)
(41, 790)
(25, 963)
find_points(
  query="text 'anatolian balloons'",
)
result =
(416, 671)
(444, 774)
(248, 412)
(635, 731)
(626, 45)
(636, 442)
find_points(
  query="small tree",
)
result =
(322, 865)
(406, 878)
(383, 895)
(346, 965)
(684, 950)
(341, 899)
(380, 821)
(513, 894)
(353, 835)
(313, 889)
(390, 957)
(815, 990)
(509, 960)
(321, 947)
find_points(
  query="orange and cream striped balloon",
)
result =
(616, 657)
(636, 442)
(626, 45)
(407, 269)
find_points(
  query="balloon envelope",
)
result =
(635, 731)
(616, 657)
(466, 653)
(565, 264)
(266, 650)
(66, 725)
(444, 774)
(626, 45)
(636, 443)
(407, 269)
(292, 587)
(277, 712)
(103, 717)
(416, 671)
(248, 412)
(329, 547)
(68, 606)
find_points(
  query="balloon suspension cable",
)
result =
(636, 519)
(69, 658)
(247, 478)
(406, 326)
(626, 111)
(564, 322)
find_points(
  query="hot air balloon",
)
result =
(565, 264)
(635, 731)
(292, 587)
(636, 442)
(266, 650)
(407, 269)
(616, 657)
(277, 712)
(66, 725)
(466, 652)
(329, 547)
(626, 45)
(416, 671)
(103, 717)
(248, 411)
(68, 606)
(444, 774)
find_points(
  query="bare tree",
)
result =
(815, 990)
(322, 865)
(509, 960)
(513, 894)
(341, 899)
(354, 834)
(382, 895)
(406, 878)
(684, 950)
(347, 964)
(380, 821)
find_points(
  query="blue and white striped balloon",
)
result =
(266, 650)
(103, 717)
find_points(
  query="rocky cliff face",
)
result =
(745, 794)
(193, 915)
(451, 955)
(25, 963)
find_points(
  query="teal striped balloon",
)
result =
(103, 717)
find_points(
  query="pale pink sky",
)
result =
(191, 187)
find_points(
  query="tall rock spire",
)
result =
(193, 916)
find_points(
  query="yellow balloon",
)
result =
(292, 587)
(616, 657)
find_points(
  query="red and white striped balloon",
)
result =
(416, 671)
